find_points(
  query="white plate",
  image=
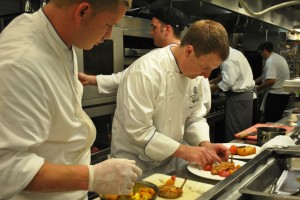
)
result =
(197, 170)
(228, 145)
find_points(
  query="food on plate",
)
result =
(207, 167)
(111, 196)
(169, 190)
(233, 149)
(142, 190)
(143, 194)
(242, 150)
(223, 169)
(246, 150)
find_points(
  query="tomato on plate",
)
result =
(233, 149)
(224, 173)
(207, 167)
(173, 178)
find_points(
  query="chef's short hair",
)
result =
(207, 36)
(96, 4)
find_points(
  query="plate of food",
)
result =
(142, 190)
(216, 172)
(243, 151)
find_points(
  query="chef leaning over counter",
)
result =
(159, 103)
(45, 134)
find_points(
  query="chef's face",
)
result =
(263, 54)
(97, 28)
(158, 32)
(200, 65)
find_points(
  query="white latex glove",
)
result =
(113, 176)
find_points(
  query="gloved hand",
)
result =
(113, 176)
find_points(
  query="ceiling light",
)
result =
(296, 27)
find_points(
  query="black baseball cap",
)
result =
(171, 16)
(266, 45)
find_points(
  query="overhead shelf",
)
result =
(292, 85)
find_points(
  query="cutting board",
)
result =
(253, 129)
(191, 190)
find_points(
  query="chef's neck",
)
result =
(171, 40)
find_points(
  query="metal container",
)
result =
(262, 186)
(258, 178)
(264, 134)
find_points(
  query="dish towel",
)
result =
(279, 141)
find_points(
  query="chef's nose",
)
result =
(206, 73)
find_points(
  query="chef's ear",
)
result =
(189, 50)
(82, 9)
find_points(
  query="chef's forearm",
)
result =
(59, 178)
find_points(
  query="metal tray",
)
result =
(262, 186)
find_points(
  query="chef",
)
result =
(275, 72)
(45, 134)
(159, 103)
(167, 25)
(237, 82)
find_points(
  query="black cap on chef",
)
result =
(171, 16)
(267, 46)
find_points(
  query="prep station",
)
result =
(256, 179)
(258, 176)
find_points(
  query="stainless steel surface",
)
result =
(232, 14)
(293, 164)
(264, 134)
(296, 193)
(260, 187)
(94, 103)
(255, 180)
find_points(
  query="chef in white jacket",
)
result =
(45, 134)
(167, 25)
(159, 103)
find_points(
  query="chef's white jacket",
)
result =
(110, 83)
(40, 102)
(236, 73)
(156, 108)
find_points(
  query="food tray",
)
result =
(263, 186)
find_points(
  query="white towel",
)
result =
(279, 141)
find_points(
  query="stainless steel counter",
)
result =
(230, 187)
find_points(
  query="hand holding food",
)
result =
(113, 176)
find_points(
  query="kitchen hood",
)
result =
(229, 13)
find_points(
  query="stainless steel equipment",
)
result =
(258, 177)
(264, 134)
(215, 118)
(106, 58)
